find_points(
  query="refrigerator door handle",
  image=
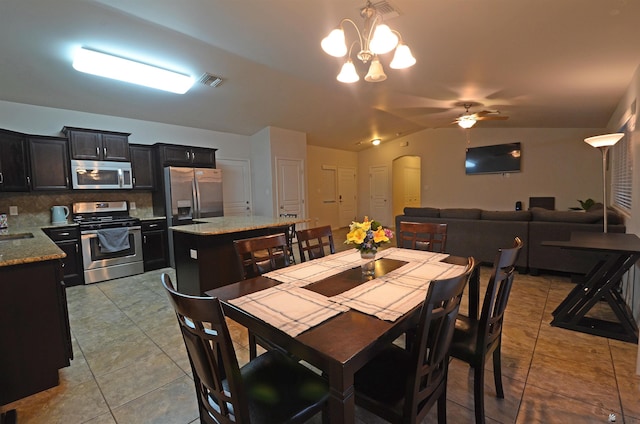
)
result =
(196, 198)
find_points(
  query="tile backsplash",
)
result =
(34, 209)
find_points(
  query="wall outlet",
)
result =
(13, 210)
(132, 206)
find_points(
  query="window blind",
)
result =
(621, 171)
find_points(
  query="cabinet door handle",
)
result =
(187, 154)
(153, 225)
(28, 181)
(76, 247)
(64, 234)
(97, 151)
(144, 239)
(104, 150)
(66, 179)
(1, 178)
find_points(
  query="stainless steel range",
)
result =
(111, 240)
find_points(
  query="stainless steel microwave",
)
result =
(86, 174)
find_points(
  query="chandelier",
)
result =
(374, 39)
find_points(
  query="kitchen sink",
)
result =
(16, 236)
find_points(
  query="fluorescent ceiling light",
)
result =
(104, 65)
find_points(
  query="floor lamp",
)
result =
(603, 142)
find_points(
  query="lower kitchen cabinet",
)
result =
(154, 244)
(34, 329)
(68, 240)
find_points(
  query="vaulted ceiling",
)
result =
(543, 63)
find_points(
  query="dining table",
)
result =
(328, 314)
(618, 253)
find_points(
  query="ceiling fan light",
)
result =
(334, 44)
(348, 73)
(376, 72)
(384, 40)
(402, 58)
(466, 121)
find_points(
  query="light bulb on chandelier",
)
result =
(375, 39)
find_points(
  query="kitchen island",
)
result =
(204, 255)
(34, 323)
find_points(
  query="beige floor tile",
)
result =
(147, 374)
(580, 379)
(571, 345)
(119, 353)
(174, 403)
(546, 407)
(629, 386)
(102, 419)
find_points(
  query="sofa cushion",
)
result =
(506, 215)
(461, 213)
(426, 212)
(541, 214)
(613, 217)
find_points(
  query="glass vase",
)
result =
(368, 263)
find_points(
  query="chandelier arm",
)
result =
(357, 32)
(374, 23)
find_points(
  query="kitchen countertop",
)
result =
(38, 248)
(27, 250)
(233, 224)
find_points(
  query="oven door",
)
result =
(94, 258)
(101, 175)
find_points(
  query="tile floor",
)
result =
(130, 364)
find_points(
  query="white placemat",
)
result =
(290, 309)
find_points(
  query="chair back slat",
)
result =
(497, 296)
(433, 338)
(313, 242)
(216, 373)
(423, 236)
(259, 255)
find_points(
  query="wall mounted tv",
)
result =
(498, 159)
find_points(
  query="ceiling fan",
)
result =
(468, 120)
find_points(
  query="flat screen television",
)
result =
(497, 159)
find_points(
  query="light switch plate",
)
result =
(13, 210)
(132, 206)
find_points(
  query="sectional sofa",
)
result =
(480, 233)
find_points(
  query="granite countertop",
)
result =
(233, 224)
(26, 250)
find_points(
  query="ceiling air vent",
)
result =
(210, 80)
(386, 9)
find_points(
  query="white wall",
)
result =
(555, 162)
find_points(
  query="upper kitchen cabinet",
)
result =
(175, 155)
(87, 144)
(49, 157)
(14, 174)
(142, 162)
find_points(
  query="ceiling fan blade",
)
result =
(492, 118)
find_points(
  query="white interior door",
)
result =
(347, 196)
(236, 186)
(379, 189)
(290, 195)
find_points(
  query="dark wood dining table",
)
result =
(340, 346)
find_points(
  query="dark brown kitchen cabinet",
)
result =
(87, 144)
(34, 324)
(154, 244)
(143, 165)
(175, 155)
(14, 174)
(49, 158)
(68, 240)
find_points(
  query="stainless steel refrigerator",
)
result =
(191, 193)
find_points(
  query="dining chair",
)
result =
(474, 339)
(423, 236)
(313, 241)
(402, 385)
(256, 256)
(273, 388)
(289, 231)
